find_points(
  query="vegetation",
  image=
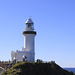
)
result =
(36, 69)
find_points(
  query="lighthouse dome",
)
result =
(29, 21)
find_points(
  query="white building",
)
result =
(28, 51)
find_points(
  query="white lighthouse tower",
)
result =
(29, 38)
(28, 51)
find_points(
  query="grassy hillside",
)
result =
(36, 69)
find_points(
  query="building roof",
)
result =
(29, 21)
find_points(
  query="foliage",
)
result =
(36, 69)
(39, 61)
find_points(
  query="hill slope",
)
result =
(36, 69)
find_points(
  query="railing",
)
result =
(1, 71)
(2, 68)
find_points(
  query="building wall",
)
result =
(19, 56)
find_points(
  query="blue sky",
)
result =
(54, 23)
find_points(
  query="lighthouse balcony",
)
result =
(29, 32)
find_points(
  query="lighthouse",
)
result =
(29, 39)
(28, 51)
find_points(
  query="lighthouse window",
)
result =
(29, 26)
